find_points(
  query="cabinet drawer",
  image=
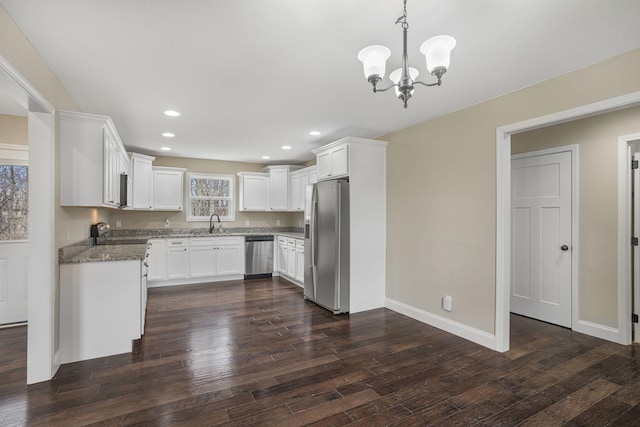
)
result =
(300, 244)
(202, 241)
(229, 240)
(177, 243)
(291, 242)
(282, 240)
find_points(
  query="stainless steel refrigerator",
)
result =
(326, 249)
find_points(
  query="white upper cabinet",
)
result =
(142, 181)
(254, 191)
(298, 187)
(332, 161)
(268, 191)
(168, 184)
(92, 161)
(278, 187)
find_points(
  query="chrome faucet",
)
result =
(211, 224)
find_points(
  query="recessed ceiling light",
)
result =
(171, 113)
(266, 157)
(165, 148)
(314, 133)
(168, 135)
(286, 147)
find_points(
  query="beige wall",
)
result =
(441, 198)
(142, 219)
(13, 130)
(597, 138)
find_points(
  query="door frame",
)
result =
(626, 144)
(575, 218)
(42, 315)
(622, 334)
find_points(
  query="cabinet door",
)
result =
(333, 163)
(340, 161)
(323, 162)
(300, 264)
(295, 191)
(167, 190)
(313, 176)
(282, 256)
(278, 190)
(177, 259)
(291, 261)
(230, 256)
(157, 260)
(255, 192)
(142, 197)
(202, 261)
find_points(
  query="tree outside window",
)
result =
(210, 194)
(14, 202)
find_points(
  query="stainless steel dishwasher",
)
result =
(258, 256)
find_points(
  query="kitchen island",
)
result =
(102, 300)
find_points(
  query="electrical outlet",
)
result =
(246, 222)
(447, 303)
(118, 224)
(277, 222)
(166, 223)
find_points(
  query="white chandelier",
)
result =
(437, 51)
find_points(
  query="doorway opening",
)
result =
(622, 333)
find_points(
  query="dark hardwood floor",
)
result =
(255, 353)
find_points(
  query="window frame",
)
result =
(232, 195)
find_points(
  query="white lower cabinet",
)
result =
(157, 260)
(283, 251)
(229, 255)
(177, 258)
(290, 258)
(195, 260)
(100, 309)
(202, 257)
(300, 261)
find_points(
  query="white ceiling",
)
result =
(249, 76)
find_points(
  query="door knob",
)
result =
(564, 248)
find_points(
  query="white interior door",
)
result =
(13, 282)
(541, 237)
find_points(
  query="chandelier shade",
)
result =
(374, 60)
(437, 50)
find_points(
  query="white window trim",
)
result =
(232, 198)
(13, 154)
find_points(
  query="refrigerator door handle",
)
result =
(314, 208)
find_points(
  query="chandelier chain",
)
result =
(403, 18)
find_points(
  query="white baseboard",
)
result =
(193, 280)
(600, 331)
(456, 328)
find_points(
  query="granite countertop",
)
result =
(82, 253)
(124, 245)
